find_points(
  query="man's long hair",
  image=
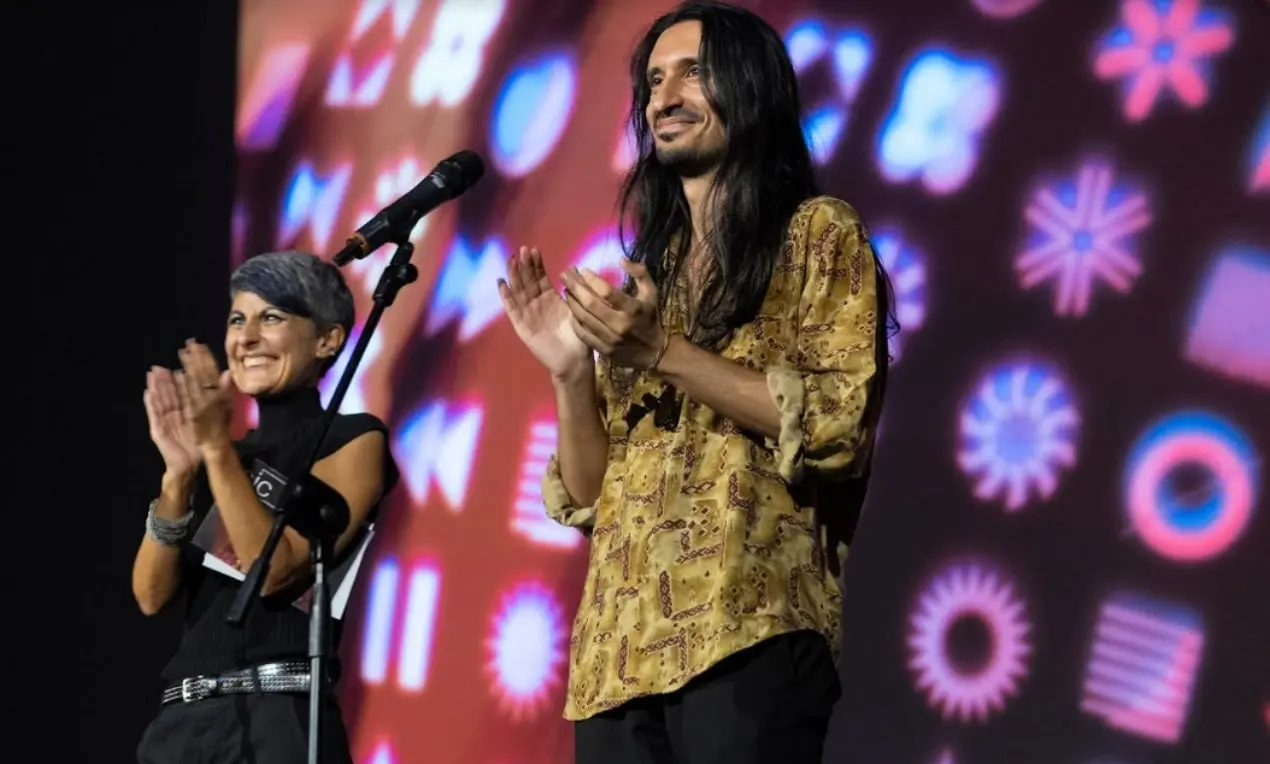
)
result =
(765, 173)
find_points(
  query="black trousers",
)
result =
(769, 704)
(265, 728)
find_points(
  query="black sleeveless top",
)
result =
(274, 629)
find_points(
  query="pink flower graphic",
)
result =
(1083, 232)
(1162, 44)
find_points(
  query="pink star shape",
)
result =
(1162, 44)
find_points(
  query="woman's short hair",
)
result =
(301, 284)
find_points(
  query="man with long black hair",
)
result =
(717, 453)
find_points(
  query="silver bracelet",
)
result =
(165, 532)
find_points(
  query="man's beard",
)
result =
(689, 161)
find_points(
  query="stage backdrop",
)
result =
(1065, 553)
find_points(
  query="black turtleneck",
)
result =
(288, 427)
(277, 414)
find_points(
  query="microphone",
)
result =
(450, 178)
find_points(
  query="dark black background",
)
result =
(119, 183)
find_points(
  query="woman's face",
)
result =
(271, 350)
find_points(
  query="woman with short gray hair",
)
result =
(290, 317)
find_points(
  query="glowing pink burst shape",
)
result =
(1162, 44)
(526, 649)
(969, 591)
(1017, 430)
(1084, 231)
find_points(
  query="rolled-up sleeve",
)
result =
(822, 402)
(559, 504)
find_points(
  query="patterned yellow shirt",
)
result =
(706, 540)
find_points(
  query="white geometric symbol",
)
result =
(467, 288)
(371, 79)
(414, 649)
(529, 517)
(450, 65)
(313, 201)
(437, 444)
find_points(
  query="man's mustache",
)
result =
(678, 112)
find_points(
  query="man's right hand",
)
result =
(541, 319)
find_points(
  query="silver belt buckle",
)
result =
(197, 688)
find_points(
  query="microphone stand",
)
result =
(316, 510)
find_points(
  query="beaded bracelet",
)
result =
(165, 532)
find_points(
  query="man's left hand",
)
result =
(626, 329)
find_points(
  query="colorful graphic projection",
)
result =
(969, 594)
(1191, 485)
(1163, 48)
(1078, 414)
(1142, 667)
(1018, 432)
(1083, 235)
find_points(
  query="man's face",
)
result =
(687, 133)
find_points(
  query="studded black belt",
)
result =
(288, 676)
